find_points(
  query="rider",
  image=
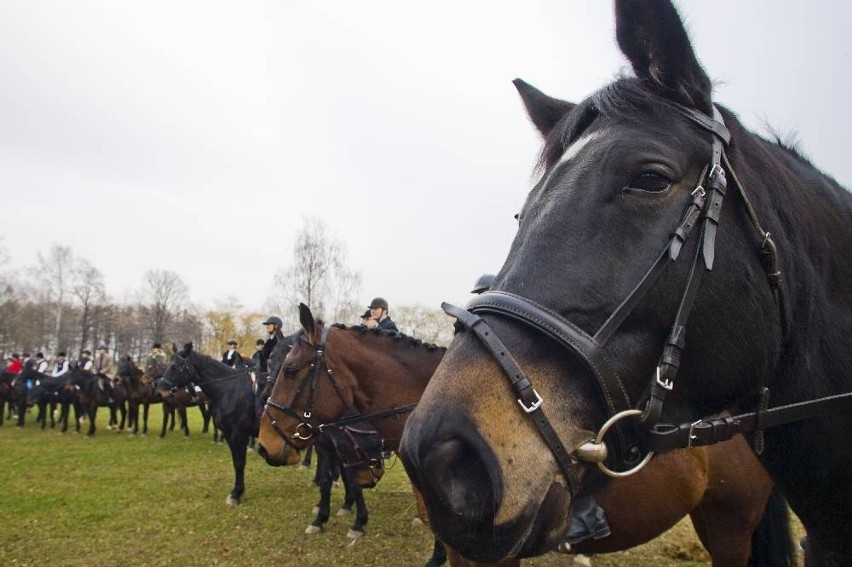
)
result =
(232, 357)
(379, 311)
(61, 366)
(273, 329)
(255, 358)
(15, 365)
(102, 367)
(41, 364)
(367, 320)
(155, 362)
(86, 361)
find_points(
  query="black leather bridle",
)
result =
(702, 213)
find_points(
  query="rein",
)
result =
(702, 213)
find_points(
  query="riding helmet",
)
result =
(483, 283)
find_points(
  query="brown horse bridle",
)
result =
(703, 210)
(306, 429)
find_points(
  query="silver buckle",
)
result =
(667, 384)
(534, 406)
(692, 435)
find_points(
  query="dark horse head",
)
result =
(628, 294)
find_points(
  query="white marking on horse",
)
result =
(571, 152)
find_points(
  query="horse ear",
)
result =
(187, 348)
(653, 38)
(544, 111)
(306, 318)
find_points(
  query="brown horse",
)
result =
(723, 488)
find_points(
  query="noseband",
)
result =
(702, 212)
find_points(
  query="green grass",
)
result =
(122, 500)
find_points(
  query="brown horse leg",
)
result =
(737, 493)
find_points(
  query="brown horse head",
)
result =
(333, 369)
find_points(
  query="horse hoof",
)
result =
(354, 534)
(311, 530)
(230, 501)
(582, 560)
(315, 511)
(344, 512)
(416, 522)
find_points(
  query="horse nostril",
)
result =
(459, 476)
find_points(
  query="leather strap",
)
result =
(521, 386)
(668, 436)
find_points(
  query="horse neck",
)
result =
(388, 373)
(809, 216)
(211, 374)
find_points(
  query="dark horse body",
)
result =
(13, 396)
(231, 402)
(48, 393)
(723, 488)
(619, 171)
(92, 394)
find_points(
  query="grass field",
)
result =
(122, 500)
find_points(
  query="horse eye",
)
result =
(290, 371)
(650, 183)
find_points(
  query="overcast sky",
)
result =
(195, 136)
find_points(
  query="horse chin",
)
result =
(532, 533)
(283, 455)
(550, 524)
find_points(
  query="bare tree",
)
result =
(89, 290)
(53, 273)
(162, 295)
(428, 325)
(318, 276)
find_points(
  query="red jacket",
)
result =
(14, 366)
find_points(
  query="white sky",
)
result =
(194, 136)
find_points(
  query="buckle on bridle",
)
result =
(667, 384)
(533, 406)
(692, 435)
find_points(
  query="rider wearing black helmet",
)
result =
(273, 327)
(483, 283)
(379, 311)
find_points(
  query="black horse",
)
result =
(48, 394)
(92, 394)
(352, 453)
(231, 400)
(594, 321)
(13, 397)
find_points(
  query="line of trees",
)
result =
(61, 304)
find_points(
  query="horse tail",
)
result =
(772, 541)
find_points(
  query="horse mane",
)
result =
(410, 341)
(211, 364)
